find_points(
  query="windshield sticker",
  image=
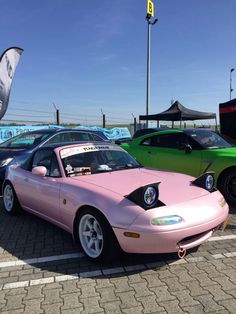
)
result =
(77, 171)
(67, 152)
(69, 169)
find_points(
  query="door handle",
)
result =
(151, 153)
(26, 179)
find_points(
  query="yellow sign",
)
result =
(150, 7)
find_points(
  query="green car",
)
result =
(190, 151)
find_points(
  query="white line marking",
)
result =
(92, 273)
(218, 256)
(135, 267)
(46, 259)
(42, 281)
(41, 260)
(231, 254)
(111, 271)
(221, 238)
(14, 285)
(195, 259)
(66, 277)
(108, 271)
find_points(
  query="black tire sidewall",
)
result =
(224, 188)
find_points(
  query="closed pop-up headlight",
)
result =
(146, 196)
(205, 181)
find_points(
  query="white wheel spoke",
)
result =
(86, 233)
(97, 245)
(88, 225)
(96, 227)
(90, 243)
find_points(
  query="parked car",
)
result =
(137, 134)
(145, 131)
(18, 148)
(107, 200)
(190, 151)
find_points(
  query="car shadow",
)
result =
(27, 237)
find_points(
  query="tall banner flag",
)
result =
(150, 8)
(8, 62)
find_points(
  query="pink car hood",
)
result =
(173, 187)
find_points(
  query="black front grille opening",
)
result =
(193, 237)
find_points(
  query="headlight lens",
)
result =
(146, 196)
(150, 196)
(5, 162)
(209, 183)
(166, 220)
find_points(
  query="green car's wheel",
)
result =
(227, 186)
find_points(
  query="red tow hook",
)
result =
(181, 252)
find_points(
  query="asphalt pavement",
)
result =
(43, 271)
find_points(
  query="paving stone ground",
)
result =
(203, 282)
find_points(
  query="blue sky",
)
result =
(88, 55)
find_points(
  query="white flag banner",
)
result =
(8, 62)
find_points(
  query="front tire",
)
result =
(10, 202)
(227, 186)
(96, 236)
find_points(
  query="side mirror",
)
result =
(188, 149)
(40, 171)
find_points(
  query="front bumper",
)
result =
(186, 235)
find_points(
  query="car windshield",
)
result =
(25, 140)
(208, 138)
(91, 159)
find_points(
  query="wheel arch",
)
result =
(93, 208)
(5, 182)
(222, 173)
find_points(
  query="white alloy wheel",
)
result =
(91, 236)
(8, 198)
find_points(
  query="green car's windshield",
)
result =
(208, 138)
(96, 160)
(25, 140)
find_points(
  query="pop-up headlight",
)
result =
(146, 196)
(205, 181)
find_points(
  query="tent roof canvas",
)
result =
(178, 112)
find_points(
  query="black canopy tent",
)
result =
(178, 112)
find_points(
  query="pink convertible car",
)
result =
(107, 200)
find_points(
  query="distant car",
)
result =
(142, 132)
(190, 151)
(136, 134)
(107, 200)
(18, 148)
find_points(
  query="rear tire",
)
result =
(10, 201)
(96, 236)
